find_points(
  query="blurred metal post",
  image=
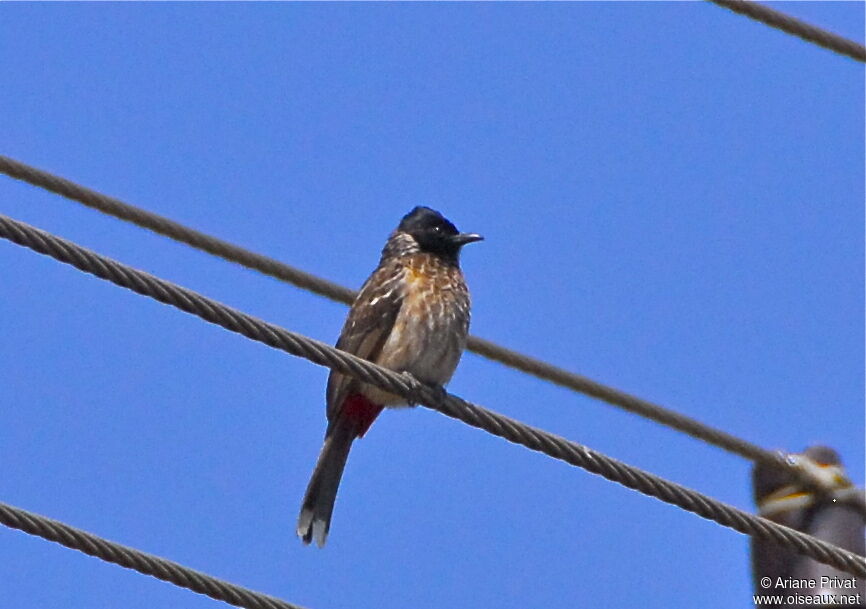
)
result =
(833, 517)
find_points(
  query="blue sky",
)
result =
(672, 197)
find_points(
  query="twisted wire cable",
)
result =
(431, 397)
(130, 558)
(174, 230)
(791, 25)
(485, 348)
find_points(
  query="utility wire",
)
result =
(485, 348)
(174, 230)
(431, 397)
(148, 564)
(791, 25)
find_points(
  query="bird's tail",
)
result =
(315, 518)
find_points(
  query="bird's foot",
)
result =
(438, 391)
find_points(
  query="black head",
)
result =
(434, 233)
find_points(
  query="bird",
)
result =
(410, 316)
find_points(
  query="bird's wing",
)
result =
(367, 327)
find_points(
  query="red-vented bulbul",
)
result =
(411, 315)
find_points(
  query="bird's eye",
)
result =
(437, 229)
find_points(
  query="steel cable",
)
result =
(130, 558)
(323, 287)
(801, 29)
(433, 398)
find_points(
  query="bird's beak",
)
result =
(464, 238)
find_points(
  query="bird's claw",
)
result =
(438, 391)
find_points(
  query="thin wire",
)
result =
(333, 291)
(433, 398)
(174, 230)
(791, 25)
(145, 563)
